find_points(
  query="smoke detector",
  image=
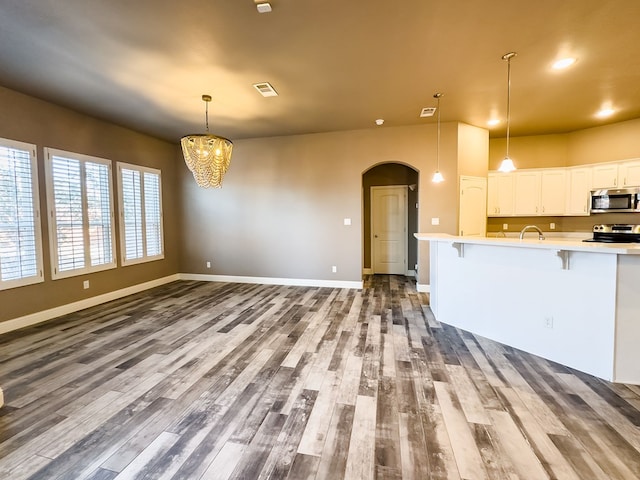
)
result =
(263, 7)
(427, 112)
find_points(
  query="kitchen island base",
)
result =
(577, 306)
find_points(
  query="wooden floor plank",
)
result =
(198, 380)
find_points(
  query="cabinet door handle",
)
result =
(542, 209)
(536, 209)
(624, 182)
(615, 182)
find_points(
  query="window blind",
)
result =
(141, 214)
(81, 205)
(20, 249)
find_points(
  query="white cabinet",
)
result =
(552, 191)
(578, 187)
(629, 174)
(540, 192)
(605, 176)
(500, 194)
(527, 192)
(620, 175)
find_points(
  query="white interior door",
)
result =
(473, 206)
(389, 229)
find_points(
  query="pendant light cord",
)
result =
(206, 115)
(438, 142)
(508, 101)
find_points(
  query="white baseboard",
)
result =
(297, 282)
(43, 316)
(424, 288)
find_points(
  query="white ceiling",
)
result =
(337, 64)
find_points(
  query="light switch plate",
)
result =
(347, 221)
(435, 221)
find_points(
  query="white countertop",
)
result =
(551, 243)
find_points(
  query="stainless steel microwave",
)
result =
(615, 200)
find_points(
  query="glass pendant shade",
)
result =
(207, 156)
(437, 177)
(507, 165)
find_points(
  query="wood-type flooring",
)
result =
(197, 380)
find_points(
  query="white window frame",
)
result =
(53, 237)
(37, 224)
(143, 218)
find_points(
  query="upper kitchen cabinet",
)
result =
(617, 175)
(540, 192)
(500, 194)
(605, 176)
(578, 186)
(552, 191)
(629, 174)
(527, 188)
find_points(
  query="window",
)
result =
(20, 240)
(140, 199)
(80, 203)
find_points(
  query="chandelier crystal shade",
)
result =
(507, 164)
(207, 156)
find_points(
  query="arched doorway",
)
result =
(391, 174)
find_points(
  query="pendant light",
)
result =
(507, 164)
(207, 156)
(437, 176)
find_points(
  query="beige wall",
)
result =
(620, 141)
(539, 151)
(609, 143)
(280, 212)
(473, 150)
(27, 119)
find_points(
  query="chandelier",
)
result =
(207, 156)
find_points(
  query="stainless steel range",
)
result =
(616, 233)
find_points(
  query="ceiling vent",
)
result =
(265, 89)
(428, 111)
(263, 7)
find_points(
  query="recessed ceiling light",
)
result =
(605, 112)
(493, 122)
(563, 63)
(379, 121)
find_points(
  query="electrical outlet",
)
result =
(85, 284)
(435, 221)
(208, 264)
(505, 226)
(334, 269)
(548, 322)
(347, 221)
(552, 226)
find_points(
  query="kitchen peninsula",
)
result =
(571, 302)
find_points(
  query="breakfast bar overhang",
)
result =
(575, 303)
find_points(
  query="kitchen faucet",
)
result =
(531, 227)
